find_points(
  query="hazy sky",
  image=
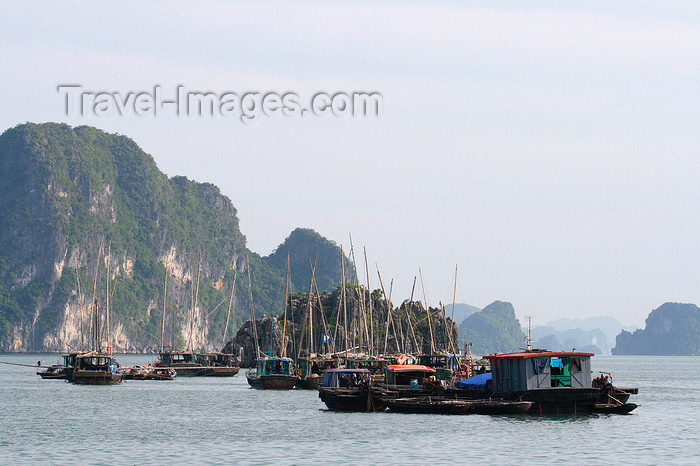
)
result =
(551, 151)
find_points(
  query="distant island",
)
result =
(673, 329)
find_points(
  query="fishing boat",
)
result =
(310, 370)
(184, 362)
(557, 382)
(54, 372)
(273, 373)
(409, 380)
(96, 368)
(441, 405)
(612, 399)
(217, 364)
(349, 390)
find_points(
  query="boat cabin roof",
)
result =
(409, 368)
(535, 354)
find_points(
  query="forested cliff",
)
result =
(80, 208)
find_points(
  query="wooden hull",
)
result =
(53, 374)
(351, 399)
(220, 371)
(452, 406)
(310, 383)
(557, 400)
(189, 370)
(272, 381)
(96, 378)
(605, 408)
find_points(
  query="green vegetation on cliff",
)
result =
(494, 329)
(671, 330)
(68, 195)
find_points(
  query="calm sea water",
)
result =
(207, 420)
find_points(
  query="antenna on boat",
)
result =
(529, 325)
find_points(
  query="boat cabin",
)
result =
(446, 361)
(345, 378)
(404, 374)
(315, 365)
(216, 359)
(270, 366)
(96, 362)
(374, 365)
(534, 370)
(170, 358)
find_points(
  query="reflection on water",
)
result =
(210, 420)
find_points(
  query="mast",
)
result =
(454, 303)
(230, 303)
(344, 297)
(371, 320)
(162, 320)
(252, 311)
(311, 319)
(361, 318)
(80, 308)
(94, 329)
(194, 304)
(388, 315)
(427, 310)
(283, 353)
(408, 315)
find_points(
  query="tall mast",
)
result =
(311, 319)
(194, 305)
(371, 320)
(252, 311)
(94, 329)
(162, 320)
(388, 312)
(427, 310)
(80, 308)
(105, 331)
(283, 353)
(230, 303)
(408, 316)
(345, 308)
(454, 303)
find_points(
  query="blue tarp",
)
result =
(478, 382)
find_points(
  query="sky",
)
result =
(551, 152)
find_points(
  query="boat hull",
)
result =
(455, 406)
(310, 383)
(557, 400)
(351, 399)
(272, 381)
(220, 371)
(614, 408)
(96, 378)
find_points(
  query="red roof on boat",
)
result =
(535, 354)
(409, 367)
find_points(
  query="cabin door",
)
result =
(575, 368)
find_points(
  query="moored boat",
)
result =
(96, 369)
(272, 373)
(54, 372)
(349, 390)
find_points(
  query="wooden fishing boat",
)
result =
(614, 408)
(557, 382)
(272, 373)
(408, 381)
(184, 363)
(217, 364)
(54, 372)
(96, 369)
(311, 369)
(440, 405)
(349, 390)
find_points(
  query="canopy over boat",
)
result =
(478, 382)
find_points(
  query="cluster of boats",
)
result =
(99, 368)
(533, 381)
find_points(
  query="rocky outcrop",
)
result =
(673, 329)
(495, 329)
(81, 208)
(305, 335)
